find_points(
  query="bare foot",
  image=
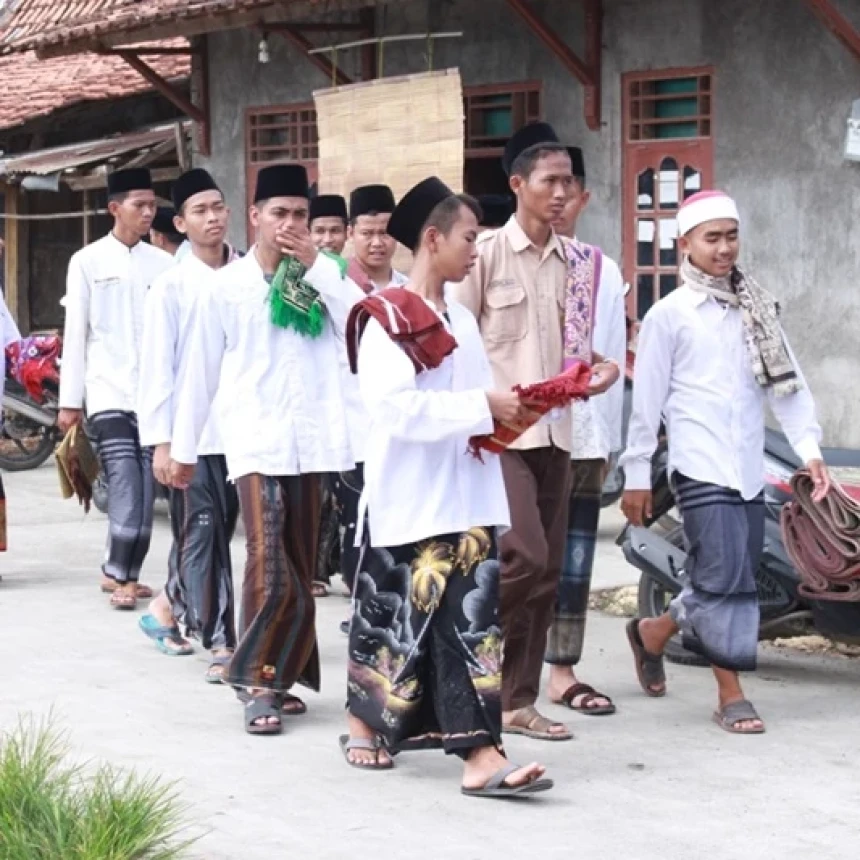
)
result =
(485, 762)
(527, 721)
(379, 757)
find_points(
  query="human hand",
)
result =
(161, 464)
(603, 376)
(505, 406)
(821, 479)
(296, 242)
(180, 475)
(68, 418)
(636, 506)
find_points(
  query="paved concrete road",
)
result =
(656, 781)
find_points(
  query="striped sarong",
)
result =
(277, 645)
(717, 609)
(200, 573)
(131, 493)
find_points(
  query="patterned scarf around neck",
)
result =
(771, 363)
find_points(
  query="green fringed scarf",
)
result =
(294, 302)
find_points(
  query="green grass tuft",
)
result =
(51, 809)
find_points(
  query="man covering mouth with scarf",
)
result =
(710, 355)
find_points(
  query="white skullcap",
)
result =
(703, 207)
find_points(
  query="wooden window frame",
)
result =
(534, 87)
(637, 152)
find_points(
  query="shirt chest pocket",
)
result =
(506, 313)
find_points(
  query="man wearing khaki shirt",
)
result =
(517, 293)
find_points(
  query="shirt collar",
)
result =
(696, 297)
(116, 242)
(520, 242)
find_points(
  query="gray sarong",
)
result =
(717, 610)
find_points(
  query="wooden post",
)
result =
(85, 220)
(11, 194)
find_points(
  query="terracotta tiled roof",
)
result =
(38, 24)
(33, 88)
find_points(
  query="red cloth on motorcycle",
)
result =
(823, 540)
(408, 320)
(540, 398)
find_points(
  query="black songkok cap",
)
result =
(190, 183)
(282, 180)
(370, 198)
(411, 214)
(328, 205)
(577, 161)
(163, 221)
(527, 137)
(133, 179)
(497, 209)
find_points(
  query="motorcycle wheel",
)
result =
(24, 444)
(653, 600)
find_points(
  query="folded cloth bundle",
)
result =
(539, 398)
(78, 467)
(823, 540)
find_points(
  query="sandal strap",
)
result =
(372, 744)
(497, 780)
(534, 720)
(738, 712)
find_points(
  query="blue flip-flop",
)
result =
(161, 635)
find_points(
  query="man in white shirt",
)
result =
(328, 222)
(710, 356)
(163, 233)
(370, 208)
(199, 590)
(425, 649)
(105, 294)
(596, 434)
(267, 333)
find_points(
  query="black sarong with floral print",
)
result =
(425, 643)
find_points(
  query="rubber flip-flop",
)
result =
(263, 706)
(123, 600)
(217, 668)
(589, 695)
(531, 724)
(161, 635)
(495, 786)
(729, 716)
(372, 745)
(142, 592)
(298, 706)
(649, 667)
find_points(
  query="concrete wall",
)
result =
(783, 89)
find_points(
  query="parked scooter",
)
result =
(658, 551)
(30, 408)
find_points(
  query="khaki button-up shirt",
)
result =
(516, 292)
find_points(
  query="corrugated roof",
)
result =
(33, 88)
(38, 24)
(60, 158)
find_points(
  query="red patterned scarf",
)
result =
(408, 320)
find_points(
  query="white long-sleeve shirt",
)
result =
(358, 419)
(281, 409)
(8, 334)
(692, 367)
(165, 351)
(420, 479)
(105, 293)
(597, 430)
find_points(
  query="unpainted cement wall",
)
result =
(783, 86)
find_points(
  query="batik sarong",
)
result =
(277, 645)
(567, 633)
(131, 491)
(717, 610)
(425, 643)
(200, 573)
(346, 488)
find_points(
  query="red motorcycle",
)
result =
(30, 402)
